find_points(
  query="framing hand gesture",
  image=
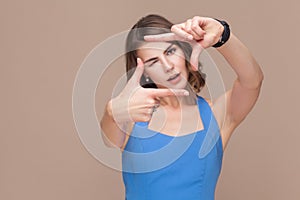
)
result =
(136, 103)
(200, 32)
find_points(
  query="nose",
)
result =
(167, 64)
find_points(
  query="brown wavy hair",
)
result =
(152, 25)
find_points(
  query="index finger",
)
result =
(178, 30)
(168, 92)
(164, 37)
(197, 49)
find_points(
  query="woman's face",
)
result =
(164, 64)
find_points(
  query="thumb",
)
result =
(139, 70)
(197, 49)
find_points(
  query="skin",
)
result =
(230, 109)
(162, 60)
(165, 60)
(133, 104)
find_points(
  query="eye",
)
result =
(171, 51)
(155, 61)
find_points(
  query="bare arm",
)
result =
(232, 107)
(244, 93)
(113, 135)
(242, 62)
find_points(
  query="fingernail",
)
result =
(186, 93)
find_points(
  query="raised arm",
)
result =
(243, 95)
(232, 107)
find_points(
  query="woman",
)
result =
(154, 120)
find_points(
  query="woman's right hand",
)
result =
(136, 103)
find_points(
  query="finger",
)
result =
(157, 101)
(167, 92)
(162, 37)
(197, 49)
(188, 28)
(146, 116)
(150, 110)
(195, 25)
(178, 30)
(139, 70)
(153, 102)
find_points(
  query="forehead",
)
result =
(153, 46)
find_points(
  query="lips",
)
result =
(173, 77)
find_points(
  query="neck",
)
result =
(173, 102)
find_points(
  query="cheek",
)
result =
(182, 62)
(157, 76)
(182, 66)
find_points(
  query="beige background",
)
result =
(43, 44)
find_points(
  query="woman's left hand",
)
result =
(200, 32)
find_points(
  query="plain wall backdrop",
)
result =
(43, 44)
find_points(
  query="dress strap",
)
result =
(212, 136)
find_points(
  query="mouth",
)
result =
(173, 77)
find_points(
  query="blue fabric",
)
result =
(157, 166)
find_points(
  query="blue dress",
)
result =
(156, 166)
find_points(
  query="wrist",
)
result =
(225, 34)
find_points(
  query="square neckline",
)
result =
(187, 134)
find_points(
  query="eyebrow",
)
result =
(151, 59)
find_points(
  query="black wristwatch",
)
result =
(225, 35)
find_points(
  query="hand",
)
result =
(200, 32)
(136, 103)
